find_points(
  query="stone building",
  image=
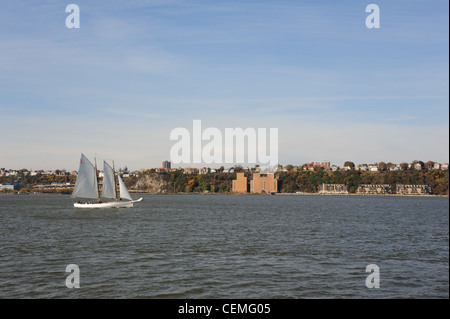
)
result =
(333, 189)
(322, 164)
(374, 189)
(413, 189)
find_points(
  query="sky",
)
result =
(135, 70)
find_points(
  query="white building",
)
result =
(363, 168)
(373, 168)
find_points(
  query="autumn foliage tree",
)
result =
(349, 164)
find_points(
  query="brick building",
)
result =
(240, 184)
(263, 184)
(266, 183)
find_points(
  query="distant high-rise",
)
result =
(166, 164)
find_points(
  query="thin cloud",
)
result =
(137, 69)
(134, 114)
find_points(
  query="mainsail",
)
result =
(109, 183)
(124, 194)
(86, 184)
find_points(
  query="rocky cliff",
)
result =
(151, 183)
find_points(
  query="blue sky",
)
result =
(135, 70)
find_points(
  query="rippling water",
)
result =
(226, 246)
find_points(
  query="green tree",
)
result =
(350, 164)
(429, 165)
(404, 166)
(238, 169)
(289, 167)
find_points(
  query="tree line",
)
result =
(288, 182)
(304, 181)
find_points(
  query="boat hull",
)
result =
(104, 205)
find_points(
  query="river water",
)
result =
(226, 246)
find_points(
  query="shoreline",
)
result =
(351, 194)
(245, 194)
(291, 194)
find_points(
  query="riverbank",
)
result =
(352, 194)
(67, 192)
(287, 194)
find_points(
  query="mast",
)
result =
(96, 178)
(115, 185)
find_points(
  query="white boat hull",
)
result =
(128, 204)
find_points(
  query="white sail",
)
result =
(86, 184)
(124, 194)
(109, 183)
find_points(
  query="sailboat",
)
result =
(87, 187)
